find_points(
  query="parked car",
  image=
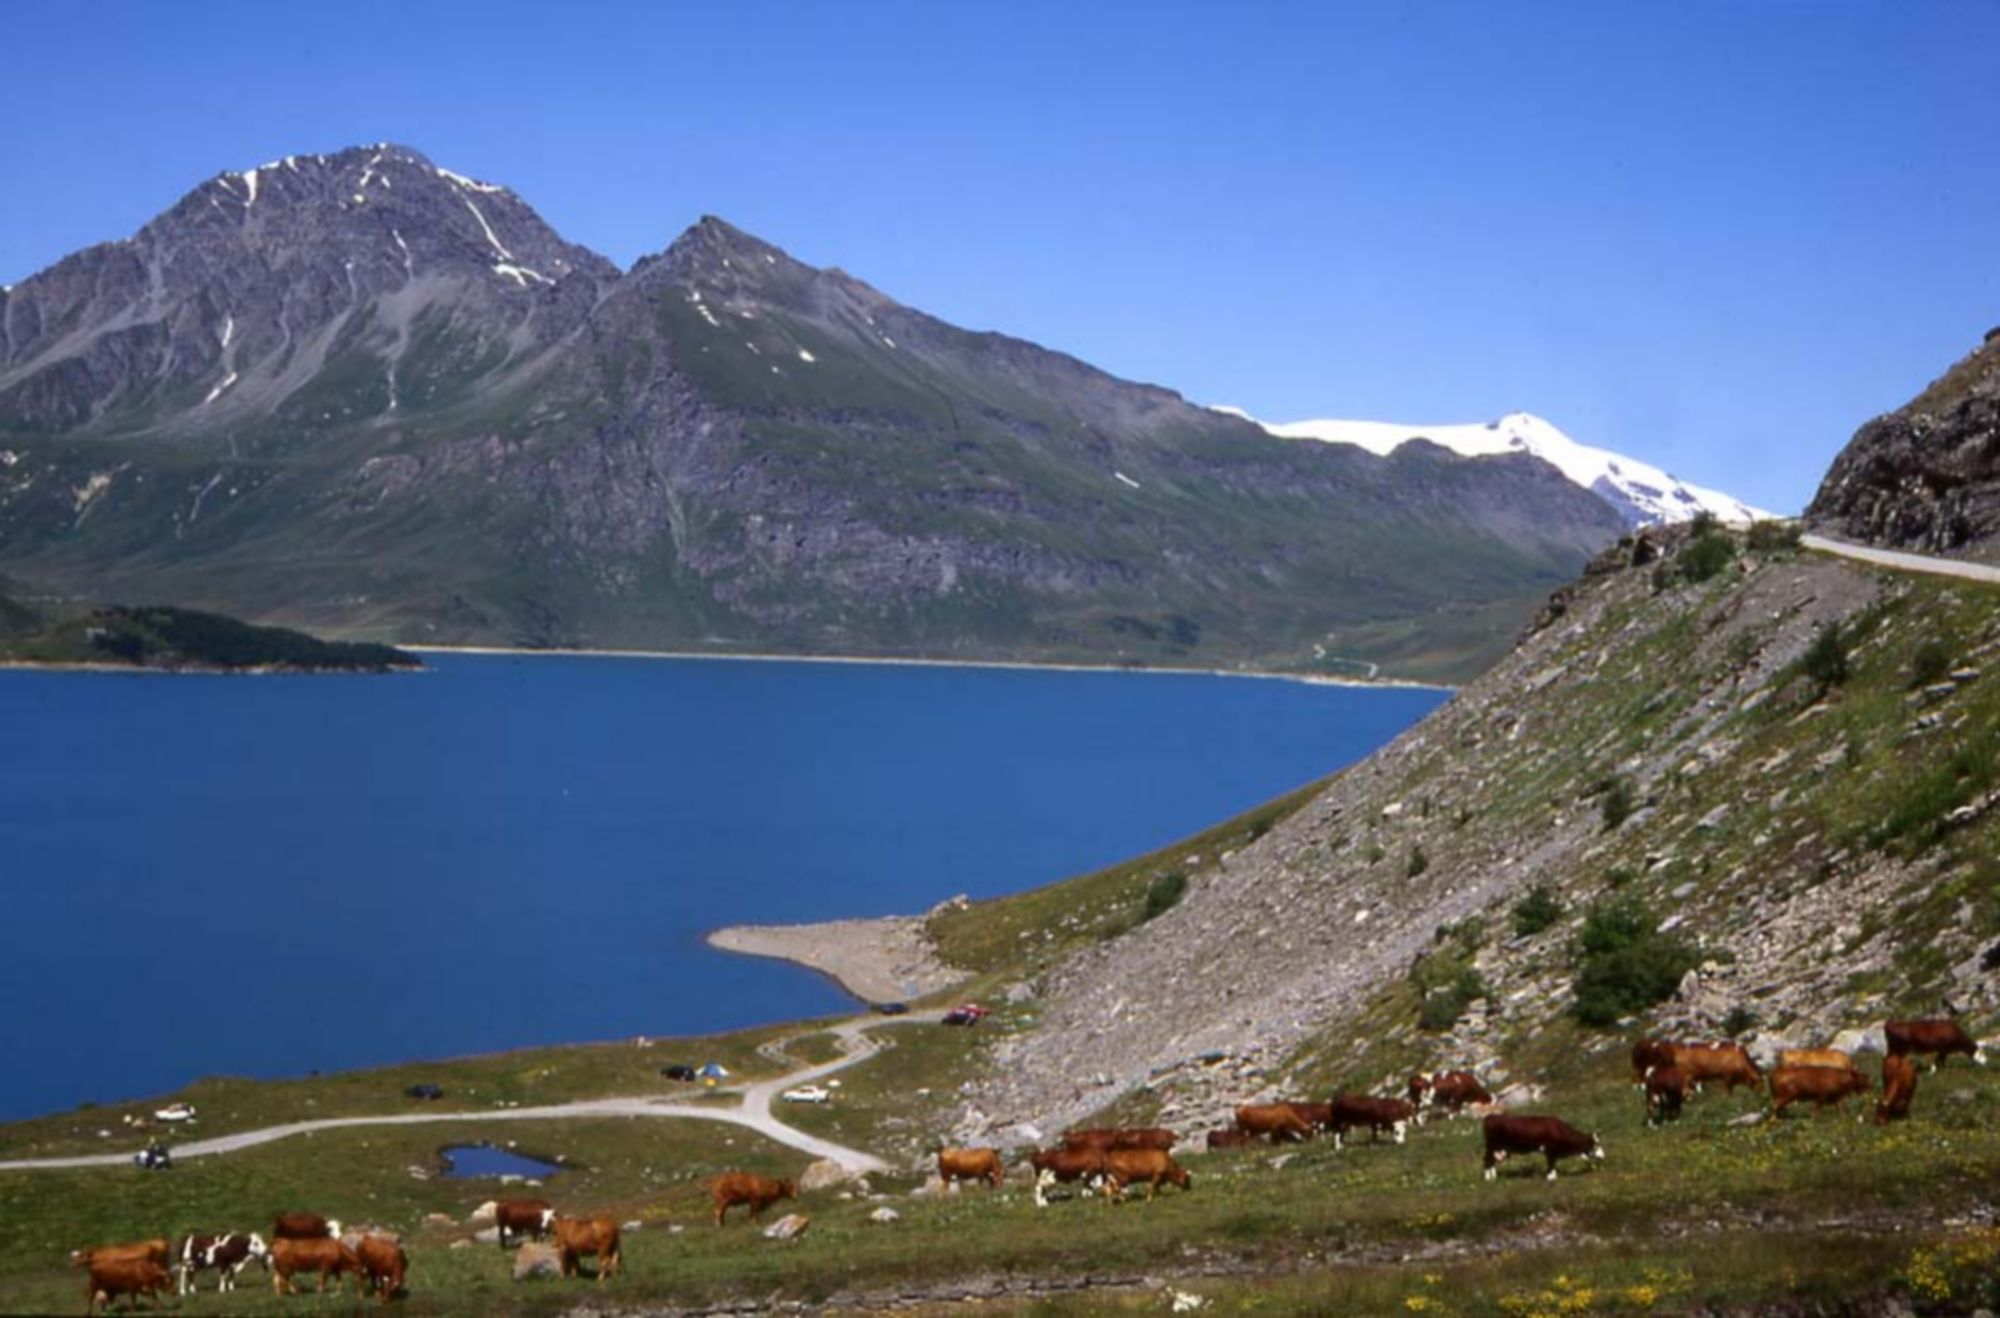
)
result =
(175, 1112)
(807, 1094)
(425, 1091)
(891, 1008)
(679, 1071)
(965, 1013)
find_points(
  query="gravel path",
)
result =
(1903, 562)
(753, 1111)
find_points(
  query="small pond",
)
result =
(468, 1161)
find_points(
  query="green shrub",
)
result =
(1617, 803)
(1374, 853)
(1418, 862)
(1164, 893)
(1740, 1020)
(1537, 911)
(1706, 555)
(1771, 535)
(1703, 523)
(1625, 964)
(1825, 660)
(1445, 1006)
(1930, 663)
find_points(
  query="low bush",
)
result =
(1625, 964)
(1617, 802)
(1825, 660)
(1705, 556)
(1164, 893)
(1931, 663)
(1772, 535)
(1537, 911)
(1418, 862)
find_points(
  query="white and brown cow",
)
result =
(228, 1253)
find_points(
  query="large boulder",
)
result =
(537, 1259)
(485, 1213)
(824, 1175)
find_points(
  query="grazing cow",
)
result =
(1147, 1137)
(577, 1236)
(1317, 1116)
(1419, 1090)
(1822, 1085)
(523, 1217)
(157, 1250)
(1899, 1087)
(1276, 1122)
(1817, 1057)
(1053, 1165)
(1226, 1138)
(384, 1265)
(1551, 1137)
(322, 1254)
(228, 1254)
(1155, 1167)
(1452, 1091)
(128, 1275)
(1729, 1063)
(760, 1192)
(1938, 1039)
(971, 1165)
(1377, 1114)
(1667, 1088)
(1648, 1054)
(304, 1226)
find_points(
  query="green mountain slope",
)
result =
(381, 399)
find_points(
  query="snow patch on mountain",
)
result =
(1641, 492)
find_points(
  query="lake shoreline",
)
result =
(1008, 665)
(886, 959)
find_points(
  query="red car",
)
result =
(965, 1013)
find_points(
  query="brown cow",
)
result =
(1147, 1137)
(523, 1217)
(326, 1256)
(1377, 1114)
(1551, 1137)
(129, 1275)
(1647, 1054)
(577, 1236)
(1823, 1085)
(1937, 1039)
(304, 1226)
(1899, 1087)
(1226, 1138)
(1454, 1090)
(1276, 1122)
(1667, 1088)
(971, 1165)
(1727, 1062)
(1419, 1090)
(1317, 1116)
(1153, 1166)
(760, 1192)
(1817, 1057)
(384, 1265)
(1053, 1165)
(157, 1250)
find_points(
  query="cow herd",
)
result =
(1109, 1160)
(1671, 1073)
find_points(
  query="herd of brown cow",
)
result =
(1671, 1073)
(1668, 1073)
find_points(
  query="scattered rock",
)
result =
(789, 1227)
(438, 1219)
(536, 1259)
(486, 1212)
(487, 1235)
(634, 1225)
(460, 1244)
(884, 1214)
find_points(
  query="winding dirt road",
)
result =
(753, 1110)
(1903, 562)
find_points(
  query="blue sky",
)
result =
(1716, 236)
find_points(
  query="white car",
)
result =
(807, 1094)
(175, 1112)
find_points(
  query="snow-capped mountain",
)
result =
(1641, 492)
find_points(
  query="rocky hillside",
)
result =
(1927, 476)
(1750, 780)
(362, 392)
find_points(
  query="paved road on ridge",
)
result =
(1903, 562)
(753, 1111)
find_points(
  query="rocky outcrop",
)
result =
(1925, 478)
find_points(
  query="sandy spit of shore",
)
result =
(884, 960)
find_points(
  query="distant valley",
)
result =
(368, 395)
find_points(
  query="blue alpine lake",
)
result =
(271, 876)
